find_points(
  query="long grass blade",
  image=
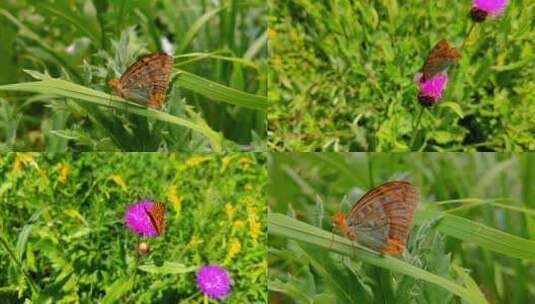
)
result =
(68, 89)
(290, 228)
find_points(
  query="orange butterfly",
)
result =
(439, 59)
(146, 80)
(156, 214)
(381, 218)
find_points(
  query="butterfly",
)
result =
(381, 218)
(146, 80)
(156, 214)
(439, 59)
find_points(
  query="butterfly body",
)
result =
(146, 80)
(381, 218)
(439, 59)
(156, 214)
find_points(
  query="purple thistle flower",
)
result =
(213, 281)
(431, 89)
(137, 219)
(482, 8)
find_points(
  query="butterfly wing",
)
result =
(439, 59)
(382, 217)
(146, 80)
(157, 217)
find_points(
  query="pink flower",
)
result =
(482, 8)
(491, 7)
(137, 219)
(431, 89)
(213, 281)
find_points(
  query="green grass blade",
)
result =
(68, 89)
(220, 92)
(290, 228)
(482, 235)
(196, 28)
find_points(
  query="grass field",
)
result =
(217, 96)
(341, 77)
(472, 239)
(63, 239)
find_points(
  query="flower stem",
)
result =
(467, 36)
(415, 129)
(138, 258)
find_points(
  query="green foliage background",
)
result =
(221, 45)
(62, 218)
(342, 71)
(475, 217)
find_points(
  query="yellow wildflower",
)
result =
(254, 229)
(118, 180)
(254, 225)
(230, 210)
(174, 198)
(195, 240)
(225, 161)
(271, 33)
(238, 224)
(195, 160)
(25, 159)
(245, 161)
(276, 61)
(234, 247)
(63, 172)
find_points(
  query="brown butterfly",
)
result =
(439, 59)
(156, 214)
(146, 80)
(381, 218)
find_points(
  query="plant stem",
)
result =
(415, 129)
(138, 258)
(467, 36)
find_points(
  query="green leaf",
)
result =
(167, 267)
(117, 290)
(484, 236)
(220, 92)
(290, 228)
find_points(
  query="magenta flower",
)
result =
(213, 281)
(431, 89)
(482, 8)
(137, 219)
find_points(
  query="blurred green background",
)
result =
(91, 42)
(474, 225)
(62, 219)
(342, 71)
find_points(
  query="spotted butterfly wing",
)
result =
(382, 217)
(146, 80)
(439, 59)
(156, 215)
